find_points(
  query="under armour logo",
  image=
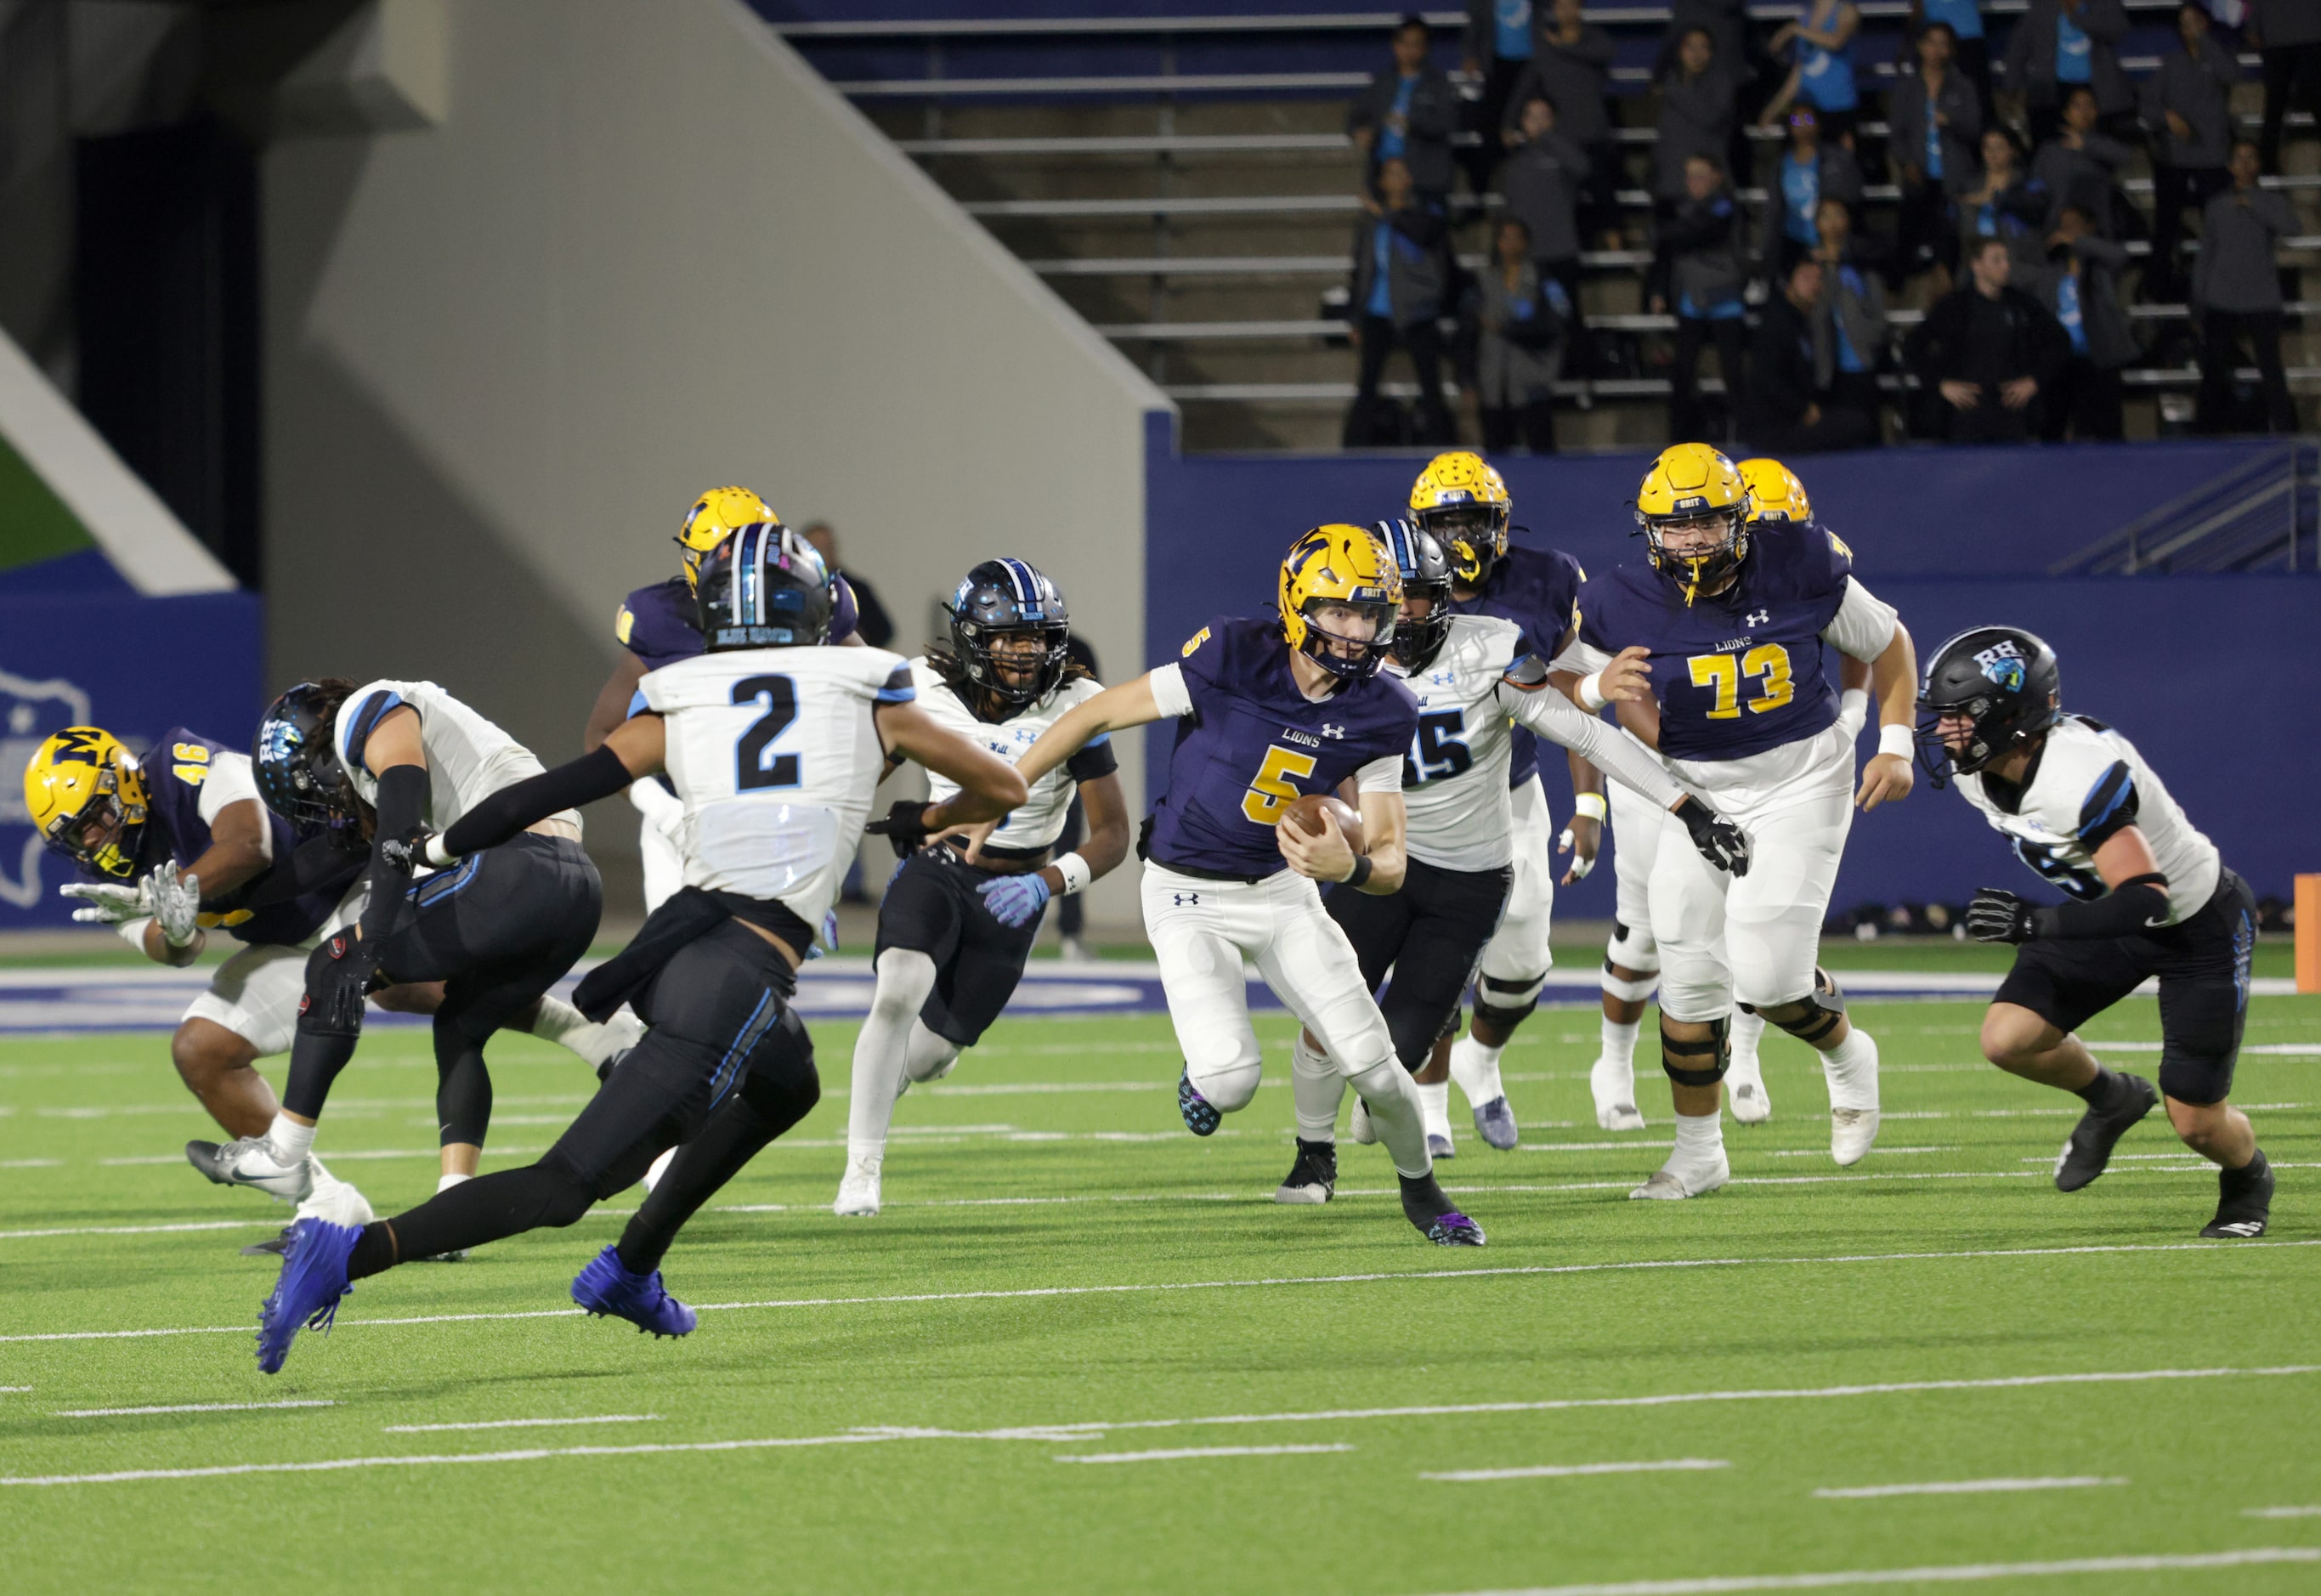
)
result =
(1330, 731)
(1757, 617)
(1181, 899)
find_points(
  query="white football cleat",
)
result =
(1670, 1184)
(858, 1193)
(251, 1161)
(334, 1200)
(1747, 1099)
(1360, 1129)
(1851, 1131)
(660, 1167)
(1614, 1090)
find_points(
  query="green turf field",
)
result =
(1081, 1351)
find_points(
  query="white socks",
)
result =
(1851, 1069)
(445, 1183)
(290, 1140)
(1699, 1142)
(882, 1050)
(1316, 1088)
(1618, 1048)
(560, 1022)
(1435, 1103)
(1393, 1099)
(1747, 1030)
(1476, 1068)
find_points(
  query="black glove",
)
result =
(1996, 914)
(338, 976)
(1720, 842)
(905, 826)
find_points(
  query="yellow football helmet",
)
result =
(1342, 566)
(716, 515)
(1465, 505)
(1775, 494)
(1691, 483)
(86, 796)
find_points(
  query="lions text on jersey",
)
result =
(1539, 591)
(468, 758)
(775, 754)
(2088, 785)
(1250, 744)
(1040, 820)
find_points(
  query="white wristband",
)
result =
(1898, 741)
(434, 854)
(1591, 691)
(132, 931)
(1591, 804)
(1075, 873)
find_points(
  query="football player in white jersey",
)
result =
(775, 741)
(371, 768)
(2148, 897)
(1471, 673)
(960, 917)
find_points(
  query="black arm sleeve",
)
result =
(2137, 904)
(583, 781)
(402, 800)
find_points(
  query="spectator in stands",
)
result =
(1808, 172)
(1985, 354)
(1700, 275)
(1495, 46)
(1936, 123)
(876, 626)
(1408, 114)
(2005, 204)
(1696, 114)
(1570, 68)
(1521, 319)
(2186, 116)
(1970, 50)
(2059, 44)
(1789, 411)
(1542, 182)
(1820, 45)
(2236, 294)
(1730, 37)
(2288, 33)
(2080, 167)
(1401, 273)
(2081, 288)
(1853, 321)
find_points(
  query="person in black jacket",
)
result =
(2236, 294)
(1985, 355)
(1936, 119)
(1787, 413)
(1401, 272)
(1408, 114)
(1702, 277)
(2081, 288)
(1570, 68)
(2187, 118)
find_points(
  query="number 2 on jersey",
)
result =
(1723, 674)
(752, 770)
(1271, 792)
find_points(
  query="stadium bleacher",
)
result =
(1183, 179)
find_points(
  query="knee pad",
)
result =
(1628, 991)
(1704, 1062)
(1506, 1002)
(1228, 1085)
(1811, 1018)
(1632, 947)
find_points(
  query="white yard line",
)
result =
(1966, 1487)
(274, 1223)
(185, 1408)
(528, 1454)
(1175, 1453)
(1934, 1575)
(1561, 1471)
(1378, 1277)
(519, 1424)
(2304, 1512)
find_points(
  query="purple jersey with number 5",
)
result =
(661, 625)
(1539, 591)
(1254, 743)
(1740, 672)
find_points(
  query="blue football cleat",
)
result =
(1201, 1118)
(314, 1280)
(1454, 1229)
(606, 1288)
(1495, 1122)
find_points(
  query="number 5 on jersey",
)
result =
(752, 768)
(1271, 792)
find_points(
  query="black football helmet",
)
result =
(296, 761)
(1002, 597)
(1426, 574)
(2004, 680)
(765, 587)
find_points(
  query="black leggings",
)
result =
(1430, 933)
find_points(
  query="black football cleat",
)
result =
(2099, 1131)
(2243, 1202)
(1428, 1207)
(1313, 1177)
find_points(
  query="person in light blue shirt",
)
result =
(1408, 111)
(1970, 49)
(1936, 123)
(1820, 45)
(1495, 48)
(2060, 45)
(1808, 172)
(1851, 333)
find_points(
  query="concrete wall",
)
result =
(644, 251)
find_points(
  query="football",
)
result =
(1306, 814)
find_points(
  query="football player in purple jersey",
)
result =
(1268, 712)
(1733, 613)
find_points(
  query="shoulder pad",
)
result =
(1529, 673)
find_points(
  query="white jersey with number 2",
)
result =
(776, 756)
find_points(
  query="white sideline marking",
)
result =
(273, 1224)
(30, 1163)
(183, 1408)
(15, 1387)
(1567, 1470)
(518, 1423)
(1934, 1575)
(2312, 1513)
(1380, 1277)
(1965, 1487)
(527, 1455)
(339, 1157)
(1174, 1453)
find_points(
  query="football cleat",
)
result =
(2243, 1206)
(858, 1190)
(1851, 1131)
(333, 1199)
(1440, 1147)
(2089, 1148)
(1313, 1177)
(1358, 1126)
(251, 1161)
(1495, 1122)
(1428, 1207)
(1670, 1184)
(606, 1289)
(312, 1282)
(1454, 1229)
(1747, 1099)
(1201, 1116)
(1614, 1087)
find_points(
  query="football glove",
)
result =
(176, 905)
(338, 978)
(1721, 843)
(1016, 900)
(404, 855)
(905, 826)
(107, 905)
(1996, 914)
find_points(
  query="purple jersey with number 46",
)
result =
(1254, 743)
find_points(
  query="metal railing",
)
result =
(2258, 514)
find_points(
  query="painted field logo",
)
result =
(31, 711)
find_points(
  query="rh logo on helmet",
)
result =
(2002, 665)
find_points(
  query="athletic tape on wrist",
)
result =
(132, 931)
(1592, 805)
(1898, 741)
(1075, 873)
(1591, 690)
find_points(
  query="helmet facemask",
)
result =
(1474, 536)
(103, 836)
(1698, 568)
(1342, 655)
